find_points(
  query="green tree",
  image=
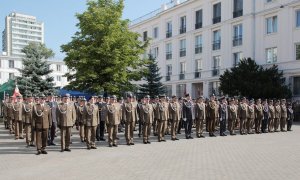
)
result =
(251, 80)
(103, 55)
(35, 77)
(153, 85)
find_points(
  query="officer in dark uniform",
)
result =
(223, 116)
(187, 111)
(102, 110)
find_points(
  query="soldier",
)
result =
(283, 115)
(290, 117)
(148, 116)
(5, 111)
(27, 119)
(187, 111)
(258, 116)
(180, 123)
(80, 119)
(130, 116)
(156, 115)
(18, 114)
(10, 115)
(251, 116)
(200, 116)
(223, 114)
(113, 117)
(211, 115)
(277, 116)
(140, 115)
(232, 116)
(66, 116)
(53, 106)
(41, 123)
(243, 115)
(91, 121)
(271, 116)
(101, 127)
(163, 117)
(175, 114)
(265, 116)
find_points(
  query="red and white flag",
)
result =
(16, 93)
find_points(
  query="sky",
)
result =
(59, 16)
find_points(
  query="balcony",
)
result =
(198, 49)
(216, 45)
(237, 41)
(168, 78)
(198, 25)
(215, 72)
(182, 52)
(168, 34)
(237, 13)
(182, 30)
(197, 74)
(168, 55)
(181, 76)
(216, 20)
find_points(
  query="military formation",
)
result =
(40, 117)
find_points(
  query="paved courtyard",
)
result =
(266, 156)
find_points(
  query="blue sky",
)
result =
(59, 16)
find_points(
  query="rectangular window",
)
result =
(11, 76)
(182, 47)
(180, 90)
(296, 84)
(198, 68)
(214, 88)
(145, 35)
(237, 8)
(154, 52)
(198, 44)
(298, 18)
(237, 35)
(182, 25)
(237, 58)
(58, 78)
(217, 13)
(199, 15)
(169, 29)
(169, 69)
(11, 63)
(169, 51)
(271, 23)
(155, 33)
(182, 70)
(271, 54)
(216, 65)
(217, 40)
(58, 67)
(297, 51)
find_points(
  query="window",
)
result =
(198, 68)
(271, 55)
(11, 76)
(182, 25)
(237, 35)
(155, 33)
(214, 88)
(216, 65)
(168, 72)
(145, 35)
(237, 58)
(199, 15)
(217, 40)
(217, 13)
(169, 29)
(271, 24)
(181, 90)
(11, 63)
(298, 18)
(182, 70)
(182, 48)
(297, 51)
(58, 67)
(198, 44)
(58, 78)
(237, 8)
(296, 84)
(154, 52)
(168, 51)
(269, 1)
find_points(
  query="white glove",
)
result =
(184, 119)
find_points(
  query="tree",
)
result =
(253, 81)
(35, 77)
(153, 87)
(103, 55)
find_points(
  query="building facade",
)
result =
(9, 70)
(20, 30)
(194, 41)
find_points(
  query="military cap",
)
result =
(7, 95)
(113, 97)
(66, 95)
(82, 99)
(289, 104)
(162, 96)
(50, 94)
(230, 99)
(100, 96)
(42, 96)
(270, 100)
(222, 97)
(187, 95)
(251, 100)
(174, 96)
(147, 97)
(283, 100)
(19, 96)
(121, 98)
(129, 95)
(156, 97)
(212, 95)
(201, 97)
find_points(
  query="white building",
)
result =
(9, 69)
(20, 29)
(194, 41)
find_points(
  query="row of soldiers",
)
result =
(41, 115)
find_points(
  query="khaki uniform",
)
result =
(200, 118)
(211, 116)
(18, 111)
(232, 117)
(66, 116)
(129, 115)
(251, 116)
(277, 117)
(80, 122)
(10, 117)
(258, 117)
(163, 109)
(148, 117)
(175, 114)
(41, 122)
(91, 122)
(283, 117)
(27, 119)
(112, 119)
(271, 118)
(243, 117)
(156, 117)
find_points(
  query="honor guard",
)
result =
(148, 116)
(251, 116)
(200, 116)
(212, 114)
(53, 106)
(187, 111)
(27, 119)
(18, 114)
(232, 116)
(243, 113)
(223, 115)
(290, 117)
(271, 116)
(175, 114)
(277, 116)
(129, 117)
(283, 115)
(91, 121)
(80, 119)
(156, 115)
(163, 109)
(266, 116)
(101, 127)
(258, 116)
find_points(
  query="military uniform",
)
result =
(266, 114)
(156, 117)
(232, 116)
(200, 118)
(243, 117)
(251, 117)
(258, 117)
(91, 122)
(129, 111)
(175, 114)
(187, 111)
(18, 115)
(113, 117)
(27, 119)
(10, 116)
(102, 112)
(223, 115)
(271, 117)
(163, 108)
(80, 121)
(283, 116)
(277, 116)
(148, 116)
(290, 117)
(211, 116)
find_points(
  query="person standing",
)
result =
(41, 122)
(101, 127)
(277, 116)
(251, 116)
(156, 115)
(174, 113)
(212, 115)
(148, 116)
(243, 116)
(130, 116)
(27, 119)
(283, 115)
(290, 117)
(91, 121)
(53, 106)
(18, 118)
(188, 116)
(265, 116)
(5, 111)
(81, 119)
(66, 116)
(163, 117)
(200, 116)
(223, 115)
(232, 116)
(258, 116)
(271, 116)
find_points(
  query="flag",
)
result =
(16, 93)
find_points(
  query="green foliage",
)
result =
(251, 80)
(153, 87)
(35, 77)
(103, 55)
